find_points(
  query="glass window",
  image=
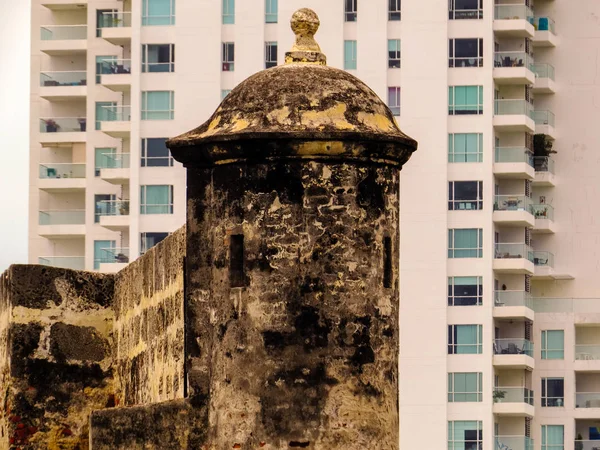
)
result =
(394, 53)
(149, 240)
(465, 9)
(104, 65)
(465, 435)
(465, 195)
(158, 12)
(465, 100)
(394, 100)
(103, 203)
(228, 56)
(157, 199)
(394, 10)
(465, 243)
(553, 392)
(105, 111)
(350, 55)
(158, 105)
(270, 54)
(465, 339)
(158, 58)
(465, 147)
(553, 437)
(103, 159)
(350, 9)
(271, 12)
(224, 93)
(465, 387)
(553, 344)
(228, 11)
(465, 53)
(155, 153)
(103, 253)
(465, 291)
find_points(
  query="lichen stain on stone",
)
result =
(334, 116)
(377, 121)
(310, 148)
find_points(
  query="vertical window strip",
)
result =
(228, 11)
(271, 11)
(394, 54)
(350, 55)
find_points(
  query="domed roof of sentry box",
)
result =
(301, 101)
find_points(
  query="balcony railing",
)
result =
(67, 78)
(513, 298)
(586, 445)
(62, 170)
(514, 155)
(116, 114)
(65, 262)
(114, 161)
(513, 251)
(114, 255)
(115, 19)
(513, 59)
(71, 217)
(513, 346)
(63, 124)
(513, 395)
(587, 352)
(514, 443)
(543, 118)
(513, 107)
(543, 164)
(512, 203)
(543, 70)
(112, 208)
(587, 400)
(544, 24)
(63, 32)
(113, 66)
(543, 211)
(513, 12)
(544, 259)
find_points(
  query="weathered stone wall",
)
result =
(148, 328)
(304, 352)
(55, 327)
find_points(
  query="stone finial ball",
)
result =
(305, 22)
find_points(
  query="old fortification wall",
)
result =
(148, 328)
(55, 361)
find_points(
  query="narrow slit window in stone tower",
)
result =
(236, 260)
(387, 262)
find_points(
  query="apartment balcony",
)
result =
(587, 405)
(61, 224)
(62, 130)
(113, 259)
(545, 32)
(513, 115)
(514, 443)
(513, 353)
(513, 21)
(514, 163)
(63, 40)
(64, 5)
(514, 258)
(513, 401)
(544, 123)
(587, 358)
(513, 211)
(63, 86)
(544, 219)
(63, 177)
(115, 27)
(513, 304)
(113, 214)
(544, 79)
(115, 74)
(544, 171)
(544, 265)
(115, 168)
(513, 68)
(586, 445)
(116, 121)
(64, 262)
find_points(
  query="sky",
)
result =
(14, 130)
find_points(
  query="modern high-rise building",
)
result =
(500, 340)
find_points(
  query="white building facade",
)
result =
(499, 347)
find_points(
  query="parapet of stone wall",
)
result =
(149, 328)
(55, 361)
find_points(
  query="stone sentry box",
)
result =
(292, 260)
